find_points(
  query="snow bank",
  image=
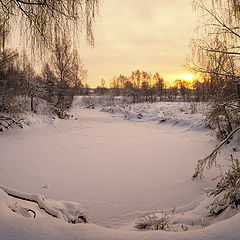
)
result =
(24, 120)
(14, 226)
(180, 114)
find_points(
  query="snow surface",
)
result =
(118, 170)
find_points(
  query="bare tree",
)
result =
(28, 76)
(159, 85)
(217, 55)
(49, 83)
(10, 82)
(102, 89)
(79, 73)
(217, 51)
(64, 73)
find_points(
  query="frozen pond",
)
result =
(111, 166)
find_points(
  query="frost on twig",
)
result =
(208, 161)
(66, 211)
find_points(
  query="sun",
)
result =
(186, 76)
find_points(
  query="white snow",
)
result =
(118, 170)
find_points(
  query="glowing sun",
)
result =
(188, 77)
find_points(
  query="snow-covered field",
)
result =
(118, 170)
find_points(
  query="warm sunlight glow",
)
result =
(188, 77)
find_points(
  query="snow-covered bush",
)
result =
(227, 189)
(9, 122)
(193, 107)
(88, 101)
(223, 117)
(152, 222)
(103, 101)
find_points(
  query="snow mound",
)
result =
(13, 226)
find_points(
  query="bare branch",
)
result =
(210, 159)
(220, 51)
(33, 3)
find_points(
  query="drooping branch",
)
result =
(6, 58)
(43, 21)
(215, 16)
(208, 161)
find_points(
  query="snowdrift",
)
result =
(17, 224)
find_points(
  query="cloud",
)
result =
(151, 35)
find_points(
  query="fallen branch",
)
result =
(91, 106)
(211, 158)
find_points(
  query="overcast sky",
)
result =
(151, 35)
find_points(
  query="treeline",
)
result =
(140, 86)
(143, 86)
(61, 78)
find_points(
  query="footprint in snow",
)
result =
(45, 186)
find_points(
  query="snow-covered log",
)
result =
(67, 211)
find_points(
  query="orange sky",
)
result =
(151, 35)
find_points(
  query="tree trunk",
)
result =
(32, 104)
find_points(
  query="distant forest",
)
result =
(144, 86)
